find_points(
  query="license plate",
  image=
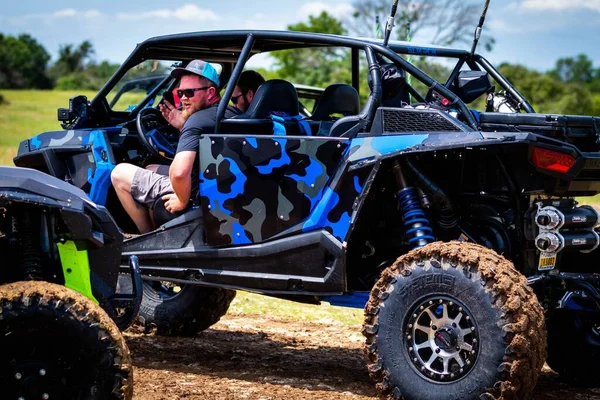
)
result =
(547, 261)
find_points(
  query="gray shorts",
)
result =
(147, 186)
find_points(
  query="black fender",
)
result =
(89, 226)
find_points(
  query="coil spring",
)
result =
(417, 226)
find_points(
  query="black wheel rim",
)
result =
(441, 338)
(41, 362)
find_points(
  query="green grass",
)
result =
(589, 200)
(252, 304)
(26, 113)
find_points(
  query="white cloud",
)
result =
(499, 26)
(558, 5)
(338, 10)
(259, 21)
(187, 12)
(64, 13)
(68, 12)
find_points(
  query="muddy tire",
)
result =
(454, 321)
(189, 310)
(57, 342)
(574, 347)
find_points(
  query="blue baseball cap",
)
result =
(198, 67)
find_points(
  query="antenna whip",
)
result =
(479, 27)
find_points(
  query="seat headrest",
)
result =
(273, 96)
(338, 98)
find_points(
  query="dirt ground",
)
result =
(272, 358)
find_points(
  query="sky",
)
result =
(534, 33)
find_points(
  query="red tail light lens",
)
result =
(552, 160)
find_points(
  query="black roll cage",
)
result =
(234, 48)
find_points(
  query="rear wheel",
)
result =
(454, 320)
(182, 310)
(57, 344)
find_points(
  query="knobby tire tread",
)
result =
(523, 323)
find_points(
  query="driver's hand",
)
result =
(172, 203)
(172, 114)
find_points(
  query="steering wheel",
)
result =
(151, 129)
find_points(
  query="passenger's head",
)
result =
(246, 88)
(198, 86)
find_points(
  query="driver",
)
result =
(139, 188)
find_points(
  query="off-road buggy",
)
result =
(456, 230)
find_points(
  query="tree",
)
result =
(23, 63)
(579, 69)
(439, 22)
(76, 69)
(548, 94)
(72, 59)
(315, 66)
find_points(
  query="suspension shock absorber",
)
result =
(416, 224)
(25, 225)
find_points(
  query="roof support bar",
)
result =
(355, 70)
(237, 71)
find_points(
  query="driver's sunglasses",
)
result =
(189, 93)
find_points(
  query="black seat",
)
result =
(274, 97)
(338, 98)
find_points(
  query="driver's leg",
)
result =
(122, 178)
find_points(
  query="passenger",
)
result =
(138, 188)
(246, 88)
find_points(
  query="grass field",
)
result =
(27, 113)
(254, 304)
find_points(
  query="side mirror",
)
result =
(78, 106)
(469, 85)
(77, 111)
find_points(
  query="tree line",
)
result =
(25, 64)
(572, 86)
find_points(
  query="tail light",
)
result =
(553, 160)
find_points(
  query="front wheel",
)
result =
(58, 344)
(454, 321)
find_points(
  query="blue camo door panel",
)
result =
(254, 188)
(89, 170)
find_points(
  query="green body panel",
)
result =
(76, 269)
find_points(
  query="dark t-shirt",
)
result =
(200, 123)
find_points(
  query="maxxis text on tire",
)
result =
(491, 338)
(57, 342)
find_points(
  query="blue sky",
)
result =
(531, 32)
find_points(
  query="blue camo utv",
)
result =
(456, 230)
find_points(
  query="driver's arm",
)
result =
(180, 174)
